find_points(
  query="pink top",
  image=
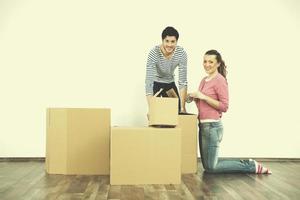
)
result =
(217, 89)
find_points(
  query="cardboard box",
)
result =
(189, 142)
(163, 111)
(77, 141)
(145, 155)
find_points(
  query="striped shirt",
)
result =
(161, 69)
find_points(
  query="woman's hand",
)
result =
(198, 95)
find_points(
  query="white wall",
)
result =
(93, 54)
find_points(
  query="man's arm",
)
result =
(148, 100)
(182, 82)
(150, 72)
(183, 93)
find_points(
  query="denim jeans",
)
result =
(210, 137)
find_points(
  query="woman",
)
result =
(212, 100)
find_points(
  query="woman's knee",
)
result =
(210, 168)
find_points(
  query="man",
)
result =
(161, 64)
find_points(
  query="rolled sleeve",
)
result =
(222, 91)
(182, 70)
(150, 72)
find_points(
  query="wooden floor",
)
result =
(28, 180)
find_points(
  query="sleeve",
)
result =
(182, 70)
(150, 72)
(222, 92)
(197, 101)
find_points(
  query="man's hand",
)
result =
(183, 110)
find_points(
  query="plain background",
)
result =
(93, 54)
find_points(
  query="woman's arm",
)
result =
(212, 102)
(222, 92)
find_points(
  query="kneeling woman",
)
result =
(211, 100)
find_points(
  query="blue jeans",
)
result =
(210, 137)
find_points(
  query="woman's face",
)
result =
(169, 43)
(210, 64)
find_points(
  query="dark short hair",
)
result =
(169, 31)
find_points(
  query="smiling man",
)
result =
(161, 64)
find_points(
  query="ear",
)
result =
(219, 64)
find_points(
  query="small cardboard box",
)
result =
(188, 124)
(163, 111)
(77, 141)
(145, 155)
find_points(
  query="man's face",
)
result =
(169, 43)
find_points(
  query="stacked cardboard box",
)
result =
(145, 155)
(188, 125)
(163, 111)
(148, 155)
(155, 155)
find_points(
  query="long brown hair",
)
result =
(222, 68)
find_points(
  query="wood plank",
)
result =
(183, 192)
(132, 193)
(104, 188)
(28, 176)
(170, 187)
(150, 193)
(114, 192)
(92, 188)
(28, 180)
(196, 187)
